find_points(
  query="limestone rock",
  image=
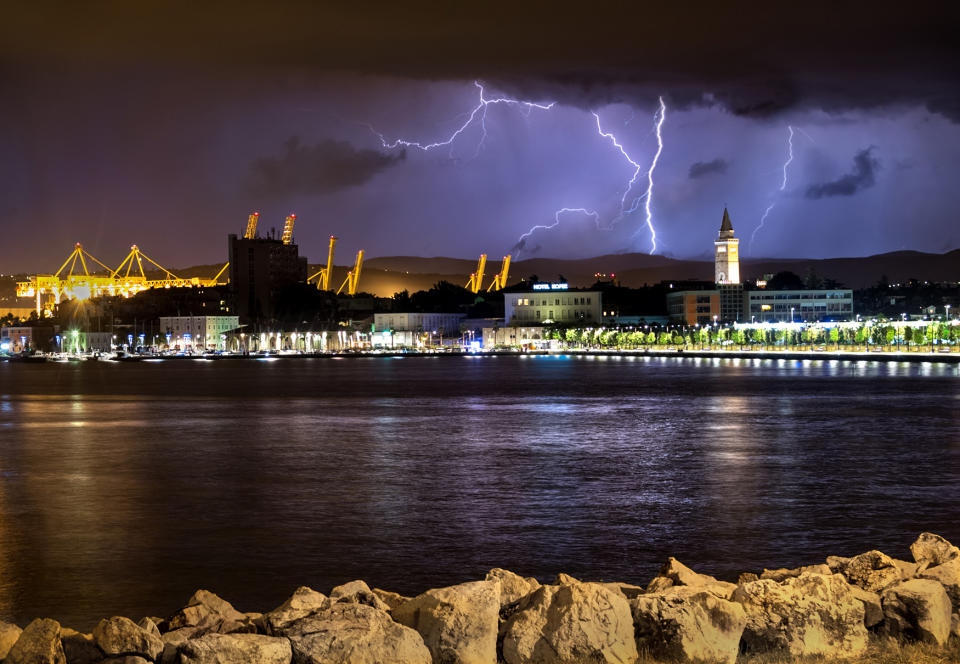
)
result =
(908, 570)
(779, 575)
(358, 592)
(697, 628)
(837, 563)
(513, 587)
(9, 633)
(930, 550)
(125, 659)
(628, 590)
(564, 580)
(747, 577)
(812, 614)
(872, 608)
(148, 625)
(580, 622)
(349, 633)
(675, 573)
(79, 648)
(39, 643)
(210, 613)
(393, 600)
(918, 609)
(300, 604)
(948, 574)
(172, 642)
(458, 623)
(236, 649)
(872, 571)
(955, 625)
(121, 636)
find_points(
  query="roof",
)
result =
(726, 224)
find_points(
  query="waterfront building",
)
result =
(428, 323)
(259, 269)
(198, 332)
(729, 302)
(553, 303)
(22, 338)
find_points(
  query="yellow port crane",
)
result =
(323, 276)
(500, 280)
(476, 278)
(353, 276)
(287, 236)
(74, 285)
(252, 226)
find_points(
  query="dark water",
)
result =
(125, 487)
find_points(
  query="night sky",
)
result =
(165, 128)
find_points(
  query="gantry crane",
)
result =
(353, 276)
(323, 276)
(287, 236)
(476, 278)
(252, 226)
(500, 280)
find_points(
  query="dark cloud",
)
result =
(323, 168)
(863, 176)
(699, 169)
(755, 58)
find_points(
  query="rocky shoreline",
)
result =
(837, 610)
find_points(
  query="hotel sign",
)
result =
(551, 286)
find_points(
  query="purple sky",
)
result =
(108, 144)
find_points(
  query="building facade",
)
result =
(730, 302)
(198, 332)
(553, 303)
(445, 324)
(259, 269)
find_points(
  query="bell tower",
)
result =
(727, 253)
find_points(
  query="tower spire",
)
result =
(726, 224)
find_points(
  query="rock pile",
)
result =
(828, 610)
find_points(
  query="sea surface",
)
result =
(124, 487)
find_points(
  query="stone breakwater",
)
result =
(829, 610)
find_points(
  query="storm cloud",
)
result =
(323, 168)
(863, 176)
(699, 169)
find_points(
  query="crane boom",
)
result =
(500, 280)
(287, 236)
(252, 226)
(476, 278)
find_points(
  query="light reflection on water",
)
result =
(125, 487)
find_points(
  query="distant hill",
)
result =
(387, 275)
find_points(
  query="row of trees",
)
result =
(702, 337)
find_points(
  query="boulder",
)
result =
(872, 608)
(948, 574)
(918, 609)
(696, 628)
(579, 622)
(148, 625)
(837, 563)
(628, 590)
(349, 633)
(513, 587)
(908, 570)
(38, 643)
(172, 642)
(930, 550)
(211, 613)
(779, 575)
(675, 573)
(812, 614)
(955, 625)
(564, 580)
(300, 604)
(9, 633)
(393, 600)
(358, 592)
(458, 623)
(872, 571)
(236, 649)
(119, 636)
(79, 648)
(747, 577)
(125, 659)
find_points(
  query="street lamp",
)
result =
(791, 315)
(947, 307)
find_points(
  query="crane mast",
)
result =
(476, 278)
(500, 280)
(252, 226)
(287, 236)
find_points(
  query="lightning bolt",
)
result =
(479, 115)
(783, 185)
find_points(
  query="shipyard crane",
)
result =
(252, 226)
(500, 280)
(353, 276)
(476, 278)
(323, 276)
(287, 236)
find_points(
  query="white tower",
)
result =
(727, 260)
